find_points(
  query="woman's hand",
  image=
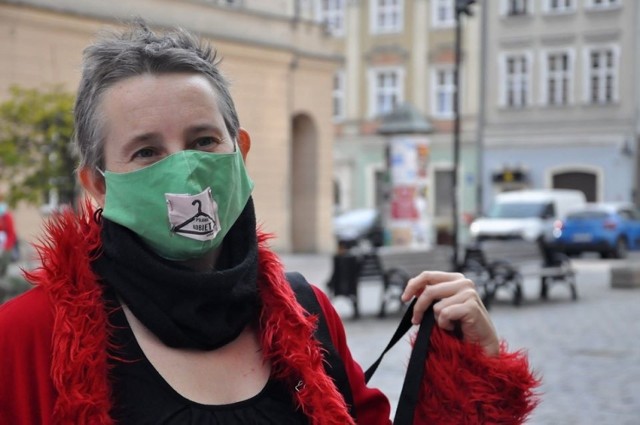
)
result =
(456, 301)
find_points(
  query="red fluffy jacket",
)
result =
(54, 343)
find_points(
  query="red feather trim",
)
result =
(289, 344)
(80, 342)
(463, 385)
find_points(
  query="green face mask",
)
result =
(181, 206)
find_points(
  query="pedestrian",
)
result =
(8, 237)
(164, 305)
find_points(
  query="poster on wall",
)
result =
(409, 219)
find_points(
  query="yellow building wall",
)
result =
(41, 48)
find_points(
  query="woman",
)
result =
(166, 306)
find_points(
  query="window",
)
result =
(517, 86)
(559, 6)
(443, 13)
(338, 96)
(602, 70)
(517, 7)
(443, 93)
(332, 15)
(603, 4)
(386, 16)
(558, 81)
(386, 90)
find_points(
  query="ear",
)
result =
(93, 183)
(244, 141)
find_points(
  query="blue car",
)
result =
(611, 229)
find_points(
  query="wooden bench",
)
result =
(508, 262)
(392, 267)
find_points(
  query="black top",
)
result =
(142, 396)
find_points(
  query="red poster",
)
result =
(403, 205)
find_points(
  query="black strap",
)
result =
(333, 364)
(415, 372)
(404, 325)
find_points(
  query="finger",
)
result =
(474, 320)
(440, 291)
(457, 308)
(416, 285)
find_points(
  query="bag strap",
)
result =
(334, 366)
(415, 371)
(408, 401)
(404, 325)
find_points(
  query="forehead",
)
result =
(158, 103)
(153, 89)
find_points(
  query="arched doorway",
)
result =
(304, 191)
(585, 181)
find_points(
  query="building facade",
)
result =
(281, 68)
(402, 52)
(562, 104)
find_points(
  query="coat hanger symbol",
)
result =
(198, 216)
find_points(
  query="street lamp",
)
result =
(462, 7)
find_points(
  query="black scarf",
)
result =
(183, 307)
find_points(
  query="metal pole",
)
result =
(456, 138)
(481, 114)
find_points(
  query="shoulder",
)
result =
(325, 303)
(26, 318)
(27, 394)
(332, 318)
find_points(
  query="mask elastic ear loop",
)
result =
(97, 216)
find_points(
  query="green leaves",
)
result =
(36, 154)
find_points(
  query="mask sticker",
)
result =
(193, 216)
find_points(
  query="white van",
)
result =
(527, 214)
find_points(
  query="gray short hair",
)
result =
(136, 51)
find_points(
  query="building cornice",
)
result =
(517, 42)
(263, 30)
(602, 36)
(558, 39)
(387, 50)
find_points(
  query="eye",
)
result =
(207, 142)
(144, 153)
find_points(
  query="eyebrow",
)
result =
(199, 128)
(152, 137)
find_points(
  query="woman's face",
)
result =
(148, 117)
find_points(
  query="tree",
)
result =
(37, 159)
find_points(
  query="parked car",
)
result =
(526, 214)
(359, 226)
(611, 229)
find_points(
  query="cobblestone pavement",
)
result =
(587, 352)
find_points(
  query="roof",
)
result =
(405, 119)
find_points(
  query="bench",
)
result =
(508, 262)
(403, 263)
(390, 266)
